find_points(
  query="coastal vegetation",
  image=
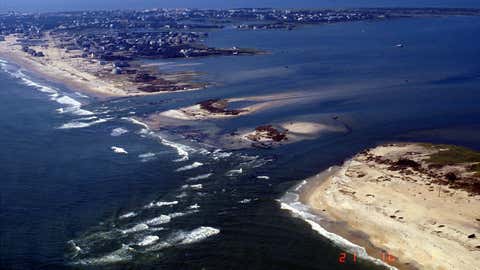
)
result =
(455, 155)
(413, 199)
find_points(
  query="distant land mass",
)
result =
(60, 5)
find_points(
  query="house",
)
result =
(121, 64)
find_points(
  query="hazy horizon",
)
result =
(61, 5)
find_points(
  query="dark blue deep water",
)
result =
(61, 181)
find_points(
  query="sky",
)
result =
(66, 5)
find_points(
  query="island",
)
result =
(419, 203)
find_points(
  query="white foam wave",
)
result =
(290, 201)
(234, 172)
(263, 177)
(125, 253)
(137, 122)
(199, 234)
(182, 150)
(162, 219)
(218, 154)
(73, 106)
(197, 187)
(137, 228)
(77, 124)
(40, 87)
(118, 132)
(244, 201)
(74, 247)
(160, 204)
(118, 150)
(128, 215)
(301, 185)
(194, 206)
(148, 240)
(147, 157)
(200, 177)
(190, 167)
(185, 238)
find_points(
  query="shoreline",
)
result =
(60, 67)
(15, 57)
(402, 214)
(338, 233)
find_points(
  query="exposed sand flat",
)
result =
(86, 75)
(279, 134)
(197, 112)
(403, 208)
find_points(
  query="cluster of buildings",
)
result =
(170, 33)
(32, 52)
(127, 45)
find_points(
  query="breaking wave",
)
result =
(199, 234)
(234, 172)
(137, 228)
(190, 167)
(290, 201)
(79, 124)
(148, 240)
(68, 103)
(73, 106)
(118, 132)
(125, 253)
(147, 157)
(182, 150)
(186, 237)
(160, 204)
(200, 177)
(128, 215)
(136, 122)
(195, 187)
(244, 201)
(162, 219)
(119, 150)
(218, 154)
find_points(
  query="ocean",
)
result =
(85, 186)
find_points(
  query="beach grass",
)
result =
(452, 155)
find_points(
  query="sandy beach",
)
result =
(220, 108)
(273, 135)
(84, 75)
(394, 199)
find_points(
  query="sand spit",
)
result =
(417, 202)
(220, 108)
(198, 122)
(89, 75)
